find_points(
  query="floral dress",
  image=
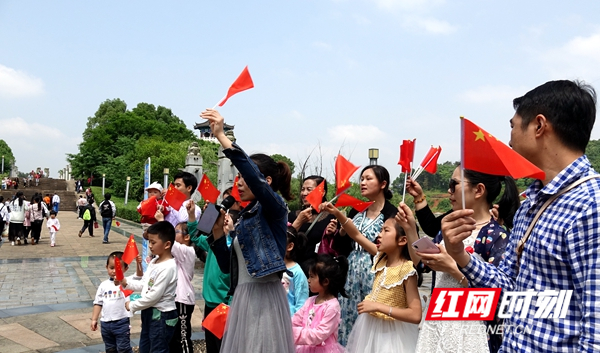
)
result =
(360, 277)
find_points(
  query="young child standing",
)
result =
(389, 316)
(296, 286)
(158, 288)
(53, 225)
(185, 299)
(110, 301)
(316, 324)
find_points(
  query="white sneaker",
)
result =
(12, 243)
(52, 244)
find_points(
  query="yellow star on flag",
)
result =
(479, 135)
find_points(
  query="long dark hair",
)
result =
(20, 196)
(335, 270)
(509, 201)
(299, 241)
(382, 175)
(280, 173)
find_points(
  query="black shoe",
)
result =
(105, 242)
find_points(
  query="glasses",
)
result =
(452, 185)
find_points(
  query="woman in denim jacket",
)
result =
(259, 316)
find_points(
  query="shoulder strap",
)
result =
(521, 243)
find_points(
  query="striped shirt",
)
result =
(562, 253)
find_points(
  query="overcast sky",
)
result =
(349, 74)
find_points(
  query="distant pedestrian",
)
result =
(88, 214)
(55, 202)
(17, 215)
(108, 211)
(37, 212)
(53, 225)
(4, 211)
(47, 201)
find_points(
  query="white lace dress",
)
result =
(452, 336)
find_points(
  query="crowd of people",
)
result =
(348, 282)
(33, 178)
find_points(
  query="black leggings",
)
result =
(15, 230)
(90, 226)
(36, 230)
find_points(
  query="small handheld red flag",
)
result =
(208, 191)
(148, 207)
(429, 163)
(126, 292)
(407, 154)
(118, 270)
(131, 251)
(174, 197)
(242, 83)
(343, 172)
(118, 223)
(347, 200)
(235, 192)
(484, 153)
(216, 320)
(315, 197)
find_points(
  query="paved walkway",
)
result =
(46, 294)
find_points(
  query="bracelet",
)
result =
(420, 200)
(460, 282)
(390, 313)
(347, 220)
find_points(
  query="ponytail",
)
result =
(285, 179)
(509, 202)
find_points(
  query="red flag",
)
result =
(343, 172)
(407, 154)
(148, 207)
(235, 192)
(208, 191)
(126, 292)
(118, 270)
(315, 197)
(216, 320)
(429, 163)
(242, 83)
(347, 200)
(131, 251)
(484, 153)
(175, 197)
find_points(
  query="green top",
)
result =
(215, 283)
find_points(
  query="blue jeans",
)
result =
(106, 224)
(115, 335)
(157, 330)
(55, 207)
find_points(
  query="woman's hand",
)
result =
(228, 224)
(305, 216)
(218, 228)
(367, 306)
(217, 122)
(439, 262)
(329, 207)
(413, 188)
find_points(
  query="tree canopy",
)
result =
(8, 157)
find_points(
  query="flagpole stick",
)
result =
(462, 160)
(462, 185)
(404, 190)
(421, 169)
(215, 107)
(319, 215)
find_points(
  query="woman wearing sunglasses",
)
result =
(488, 241)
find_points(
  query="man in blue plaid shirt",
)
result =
(551, 128)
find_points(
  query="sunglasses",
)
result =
(452, 185)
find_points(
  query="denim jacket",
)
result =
(261, 228)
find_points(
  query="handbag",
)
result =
(523, 240)
(96, 225)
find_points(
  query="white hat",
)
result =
(156, 186)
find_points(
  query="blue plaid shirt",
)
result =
(562, 253)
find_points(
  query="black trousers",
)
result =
(36, 230)
(90, 225)
(213, 344)
(182, 337)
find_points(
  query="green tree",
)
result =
(9, 158)
(282, 158)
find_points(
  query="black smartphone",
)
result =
(208, 219)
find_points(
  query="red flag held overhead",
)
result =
(430, 161)
(242, 83)
(484, 153)
(174, 197)
(118, 270)
(343, 172)
(208, 191)
(347, 200)
(131, 251)
(407, 154)
(315, 197)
